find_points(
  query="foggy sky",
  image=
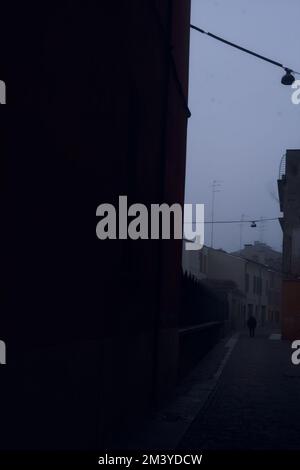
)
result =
(243, 119)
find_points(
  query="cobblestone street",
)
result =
(256, 403)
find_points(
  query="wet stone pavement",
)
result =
(256, 403)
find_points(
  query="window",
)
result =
(247, 282)
(204, 263)
(259, 285)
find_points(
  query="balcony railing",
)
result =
(282, 167)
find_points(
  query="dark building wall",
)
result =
(289, 194)
(290, 324)
(97, 113)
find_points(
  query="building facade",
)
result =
(252, 288)
(262, 253)
(289, 196)
(97, 98)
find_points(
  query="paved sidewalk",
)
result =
(165, 428)
(256, 403)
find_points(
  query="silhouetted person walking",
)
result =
(251, 323)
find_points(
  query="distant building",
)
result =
(262, 253)
(195, 262)
(252, 288)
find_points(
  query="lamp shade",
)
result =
(288, 78)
